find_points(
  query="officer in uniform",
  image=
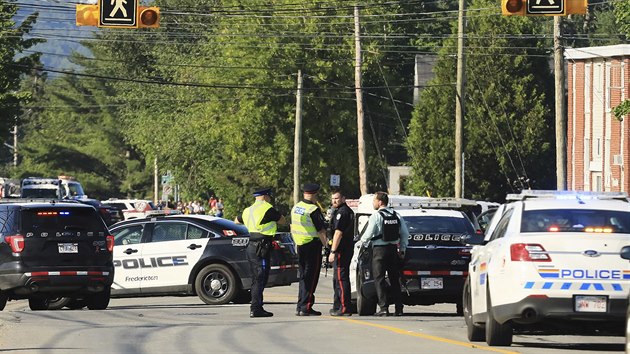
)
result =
(341, 250)
(389, 235)
(308, 230)
(261, 220)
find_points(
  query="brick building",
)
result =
(598, 144)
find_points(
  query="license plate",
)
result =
(590, 303)
(68, 248)
(431, 283)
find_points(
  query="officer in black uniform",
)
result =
(341, 250)
(389, 235)
(261, 220)
(308, 230)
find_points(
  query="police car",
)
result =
(436, 263)
(625, 254)
(550, 264)
(192, 254)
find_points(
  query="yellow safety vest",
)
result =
(302, 228)
(253, 215)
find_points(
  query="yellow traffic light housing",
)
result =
(513, 7)
(576, 7)
(87, 15)
(148, 17)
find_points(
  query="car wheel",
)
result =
(38, 303)
(57, 303)
(243, 297)
(475, 333)
(216, 284)
(4, 297)
(98, 301)
(497, 334)
(365, 306)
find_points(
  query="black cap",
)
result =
(310, 188)
(262, 191)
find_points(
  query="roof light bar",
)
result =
(566, 195)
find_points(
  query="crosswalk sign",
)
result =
(118, 13)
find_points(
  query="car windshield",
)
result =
(437, 224)
(576, 220)
(39, 193)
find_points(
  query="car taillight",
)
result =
(16, 242)
(528, 252)
(110, 243)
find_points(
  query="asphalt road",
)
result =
(186, 325)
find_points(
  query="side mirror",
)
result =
(625, 252)
(474, 239)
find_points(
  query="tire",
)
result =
(57, 303)
(98, 301)
(242, 297)
(4, 297)
(38, 303)
(497, 334)
(365, 306)
(216, 284)
(474, 333)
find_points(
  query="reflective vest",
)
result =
(302, 228)
(253, 215)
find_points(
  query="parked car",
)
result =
(52, 250)
(556, 252)
(435, 263)
(193, 255)
(136, 208)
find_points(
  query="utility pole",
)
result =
(155, 181)
(297, 142)
(561, 126)
(459, 103)
(359, 94)
(15, 151)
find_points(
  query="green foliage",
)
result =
(622, 15)
(508, 125)
(14, 65)
(622, 110)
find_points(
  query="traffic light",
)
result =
(513, 7)
(87, 15)
(148, 17)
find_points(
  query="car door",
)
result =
(360, 224)
(170, 254)
(127, 257)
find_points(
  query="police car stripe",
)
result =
(64, 273)
(287, 266)
(435, 272)
(574, 286)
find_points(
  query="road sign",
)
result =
(335, 180)
(545, 7)
(118, 13)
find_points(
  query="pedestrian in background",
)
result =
(219, 212)
(308, 230)
(389, 236)
(341, 251)
(261, 220)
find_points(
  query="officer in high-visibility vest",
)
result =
(261, 220)
(308, 230)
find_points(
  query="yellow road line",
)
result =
(426, 336)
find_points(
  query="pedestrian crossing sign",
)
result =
(118, 13)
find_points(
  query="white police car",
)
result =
(551, 264)
(192, 254)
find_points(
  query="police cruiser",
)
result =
(436, 262)
(550, 264)
(192, 254)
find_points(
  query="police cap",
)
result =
(262, 191)
(310, 188)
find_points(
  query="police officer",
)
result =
(341, 250)
(389, 235)
(261, 220)
(308, 230)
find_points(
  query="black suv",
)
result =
(49, 250)
(435, 265)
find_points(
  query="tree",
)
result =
(508, 124)
(14, 65)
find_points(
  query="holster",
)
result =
(263, 247)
